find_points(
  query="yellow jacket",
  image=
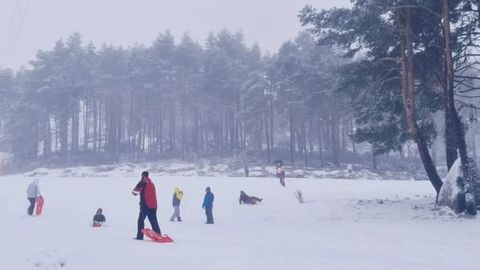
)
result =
(178, 193)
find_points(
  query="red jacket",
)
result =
(146, 189)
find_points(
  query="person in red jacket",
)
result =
(148, 205)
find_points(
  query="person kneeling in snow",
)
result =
(244, 198)
(98, 218)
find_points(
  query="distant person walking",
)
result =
(33, 191)
(208, 205)
(280, 172)
(148, 205)
(177, 198)
(247, 170)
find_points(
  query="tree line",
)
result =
(176, 100)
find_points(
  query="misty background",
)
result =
(241, 82)
(27, 26)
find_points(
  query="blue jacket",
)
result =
(208, 200)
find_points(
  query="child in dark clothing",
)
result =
(98, 218)
(244, 198)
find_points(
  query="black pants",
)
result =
(209, 213)
(151, 213)
(32, 205)
(282, 180)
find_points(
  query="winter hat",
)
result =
(145, 173)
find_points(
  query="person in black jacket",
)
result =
(244, 198)
(280, 172)
(98, 218)
(148, 205)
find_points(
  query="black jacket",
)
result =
(99, 218)
(244, 198)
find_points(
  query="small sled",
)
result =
(97, 224)
(39, 205)
(156, 237)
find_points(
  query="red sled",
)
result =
(39, 206)
(97, 224)
(156, 237)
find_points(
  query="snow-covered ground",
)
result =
(344, 224)
(209, 169)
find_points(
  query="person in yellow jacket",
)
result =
(177, 198)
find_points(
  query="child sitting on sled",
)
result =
(98, 218)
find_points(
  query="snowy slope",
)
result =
(346, 224)
(204, 168)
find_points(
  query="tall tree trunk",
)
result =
(86, 125)
(354, 148)
(320, 140)
(56, 134)
(267, 137)
(63, 134)
(271, 122)
(344, 136)
(75, 127)
(292, 135)
(408, 94)
(310, 137)
(95, 123)
(304, 141)
(172, 130)
(47, 141)
(184, 134)
(160, 129)
(454, 132)
(101, 124)
(473, 144)
(335, 127)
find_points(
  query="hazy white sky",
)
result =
(29, 25)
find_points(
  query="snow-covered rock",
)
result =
(452, 193)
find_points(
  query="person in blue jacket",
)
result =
(208, 205)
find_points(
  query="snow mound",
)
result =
(451, 194)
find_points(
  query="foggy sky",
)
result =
(29, 25)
